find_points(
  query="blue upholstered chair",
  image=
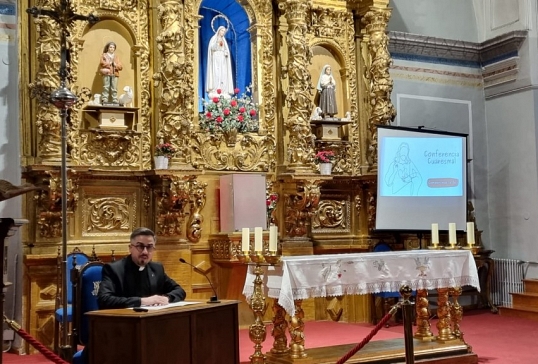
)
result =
(86, 286)
(74, 259)
(387, 298)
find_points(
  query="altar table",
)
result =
(301, 277)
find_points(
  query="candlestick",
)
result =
(435, 234)
(452, 233)
(470, 233)
(245, 239)
(258, 239)
(273, 238)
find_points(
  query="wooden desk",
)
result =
(199, 334)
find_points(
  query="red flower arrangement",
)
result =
(324, 156)
(165, 149)
(222, 114)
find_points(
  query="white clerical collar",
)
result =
(140, 269)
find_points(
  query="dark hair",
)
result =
(108, 45)
(142, 231)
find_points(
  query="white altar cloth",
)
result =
(301, 277)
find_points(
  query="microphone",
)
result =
(213, 299)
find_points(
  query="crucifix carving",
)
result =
(63, 14)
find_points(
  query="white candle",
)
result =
(435, 234)
(258, 239)
(245, 239)
(452, 233)
(273, 238)
(470, 233)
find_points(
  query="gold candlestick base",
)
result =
(256, 257)
(434, 247)
(272, 258)
(242, 257)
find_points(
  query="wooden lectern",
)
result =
(201, 333)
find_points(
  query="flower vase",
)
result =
(325, 169)
(230, 136)
(161, 162)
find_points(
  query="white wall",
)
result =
(513, 175)
(503, 127)
(511, 114)
(497, 17)
(453, 19)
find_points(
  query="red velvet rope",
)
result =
(369, 337)
(47, 353)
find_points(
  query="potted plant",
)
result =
(163, 152)
(230, 115)
(325, 160)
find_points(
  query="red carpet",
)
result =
(320, 334)
(495, 339)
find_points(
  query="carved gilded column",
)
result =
(445, 320)
(280, 341)
(352, 161)
(47, 121)
(49, 204)
(174, 77)
(300, 149)
(263, 41)
(141, 51)
(171, 201)
(175, 198)
(299, 208)
(83, 94)
(379, 82)
(197, 202)
(372, 209)
(297, 349)
(423, 316)
(456, 311)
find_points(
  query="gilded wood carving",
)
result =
(112, 169)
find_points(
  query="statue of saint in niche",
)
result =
(219, 66)
(327, 93)
(110, 67)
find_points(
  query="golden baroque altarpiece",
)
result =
(112, 186)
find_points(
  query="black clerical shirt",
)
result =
(123, 284)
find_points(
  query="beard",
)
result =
(142, 260)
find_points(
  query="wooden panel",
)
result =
(191, 334)
(39, 285)
(215, 326)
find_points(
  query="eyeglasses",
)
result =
(141, 247)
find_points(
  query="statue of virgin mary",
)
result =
(219, 66)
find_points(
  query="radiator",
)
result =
(508, 276)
